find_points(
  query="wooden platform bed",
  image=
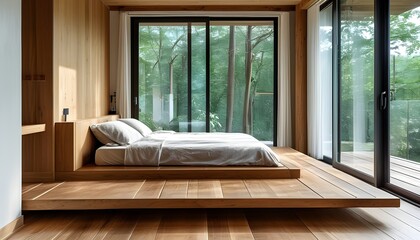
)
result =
(320, 186)
(75, 151)
(119, 187)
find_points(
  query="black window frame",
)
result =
(134, 51)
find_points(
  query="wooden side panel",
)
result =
(37, 93)
(300, 137)
(81, 53)
(64, 142)
(85, 142)
(75, 144)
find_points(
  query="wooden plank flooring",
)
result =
(320, 186)
(212, 224)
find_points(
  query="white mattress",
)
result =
(200, 149)
(110, 155)
(190, 149)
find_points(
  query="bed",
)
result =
(129, 142)
(190, 149)
(76, 148)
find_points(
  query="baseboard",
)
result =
(30, 177)
(11, 227)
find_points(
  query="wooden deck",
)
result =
(404, 173)
(320, 186)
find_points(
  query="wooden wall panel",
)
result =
(37, 84)
(306, 4)
(99, 57)
(81, 62)
(70, 57)
(65, 49)
(300, 136)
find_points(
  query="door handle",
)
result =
(383, 100)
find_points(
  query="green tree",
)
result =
(230, 80)
(163, 70)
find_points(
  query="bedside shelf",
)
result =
(33, 128)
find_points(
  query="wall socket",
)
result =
(65, 113)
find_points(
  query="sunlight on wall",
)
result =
(68, 91)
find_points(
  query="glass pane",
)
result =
(241, 78)
(172, 96)
(405, 96)
(356, 85)
(198, 78)
(163, 76)
(325, 37)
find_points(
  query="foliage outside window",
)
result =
(241, 76)
(357, 62)
(405, 84)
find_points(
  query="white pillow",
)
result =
(136, 124)
(100, 136)
(117, 132)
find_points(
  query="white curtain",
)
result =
(123, 81)
(314, 93)
(284, 127)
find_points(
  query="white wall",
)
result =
(10, 107)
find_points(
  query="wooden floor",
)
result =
(357, 223)
(320, 186)
(404, 173)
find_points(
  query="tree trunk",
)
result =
(171, 95)
(230, 80)
(253, 92)
(248, 78)
(159, 61)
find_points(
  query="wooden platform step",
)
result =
(93, 172)
(197, 193)
(319, 186)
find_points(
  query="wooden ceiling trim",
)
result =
(125, 3)
(275, 8)
(306, 4)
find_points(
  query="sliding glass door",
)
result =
(377, 95)
(355, 88)
(405, 97)
(206, 74)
